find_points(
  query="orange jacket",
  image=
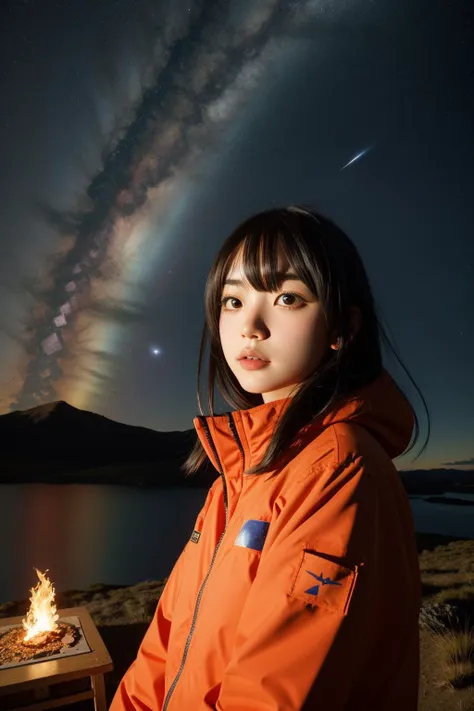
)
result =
(295, 591)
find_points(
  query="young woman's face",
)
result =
(286, 328)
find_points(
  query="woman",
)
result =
(299, 587)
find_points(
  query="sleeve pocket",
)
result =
(323, 583)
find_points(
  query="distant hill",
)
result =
(59, 443)
(438, 481)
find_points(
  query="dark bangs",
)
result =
(260, 246)
(328, 263)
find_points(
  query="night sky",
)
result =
(136, 135)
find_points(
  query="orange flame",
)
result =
(42, 615)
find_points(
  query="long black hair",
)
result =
(326, 260)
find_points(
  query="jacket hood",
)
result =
(380, 407)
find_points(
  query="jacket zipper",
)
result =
(226, 506)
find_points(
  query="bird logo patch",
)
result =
(323, 583)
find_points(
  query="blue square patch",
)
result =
(252, 534)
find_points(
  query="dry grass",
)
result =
(447, 653)
(107, 604)
(123, 614)
(458, 652)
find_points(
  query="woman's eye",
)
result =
(225, 299)
(292, 296)
(292, 305)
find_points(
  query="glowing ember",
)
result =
(14, 650)
(42, 615)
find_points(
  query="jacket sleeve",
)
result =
(303, 632)
(143, 684)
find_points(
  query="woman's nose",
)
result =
(254, 325)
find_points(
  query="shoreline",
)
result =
(146, 592)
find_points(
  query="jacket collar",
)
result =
(237, 440)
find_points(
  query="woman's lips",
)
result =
(252, 364)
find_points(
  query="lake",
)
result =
(447, 519)
(86, 534)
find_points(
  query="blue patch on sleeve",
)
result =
(252, 534)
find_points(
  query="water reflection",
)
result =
(91, 534)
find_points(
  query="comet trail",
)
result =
(356, 157)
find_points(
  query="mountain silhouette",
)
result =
(59, 442)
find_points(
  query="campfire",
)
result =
(41, 634)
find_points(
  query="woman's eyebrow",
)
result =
(281, 277)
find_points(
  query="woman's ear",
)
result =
(356, 323)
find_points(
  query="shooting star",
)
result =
(359, 155)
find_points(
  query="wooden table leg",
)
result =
(98, 685)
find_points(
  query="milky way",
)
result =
(206, 68)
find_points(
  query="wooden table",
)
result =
(58, 682)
